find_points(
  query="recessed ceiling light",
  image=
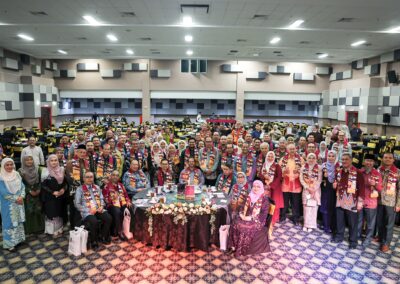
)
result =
(25, 37)
(275, 40)
(187, 21)
(129, 51)
(323, 55)
(189, 52)
(188, 38)
(395, 30)
(296, 24)
(256, 54)
(357, 43)
(62, 51)
(112, 37)
(92, 21)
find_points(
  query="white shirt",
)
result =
(36, 152)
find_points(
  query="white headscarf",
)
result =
(12, 180)
(267, 164)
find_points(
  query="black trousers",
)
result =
(343, 215)
(385, 218)
(210, 182)
(293, 200)
(74, 216)
(370, 217)
(117, 214)
(92, 225)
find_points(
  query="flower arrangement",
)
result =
(180, 211)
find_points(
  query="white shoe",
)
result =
(304, 229)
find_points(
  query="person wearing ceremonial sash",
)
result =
(301, 146)
(135, 180)
(190, 151)
(65, 145)
(181, 146)
(310, 178)
(228, 157)
(90, 203)
(97, 144)
(245, 162)
(223, 141)
(226, 179)
(342, 145)
(209, 158)
(12, 194)
(117, 200)
(105, 165)
(281, 151)
(164, 175)
(275, 133)
(251, 220)
(204, 132)
(117, 155)
(191, 175)
(80, 140)
(389, 201)
(137, 154)
(92, 156)
(271, 176)
(238, 195)
(238, 132)
(75, 171)
(348, 184)
(260, 159)
(267, 139)
(173, 161)
(368, 198)
(322, 153)
(291, 186)
(61, 158)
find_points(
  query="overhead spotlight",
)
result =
(323, 55)
(256, 54)
(62, 51)
(112, 37)
(395, 30)
(189, 52)
(92, 21)
(275, 40)
(358, 43)
(25, 37)
(296, 24)
(130, 51)
(187, 21)
(188, 38)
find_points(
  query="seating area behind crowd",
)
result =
(86, 172)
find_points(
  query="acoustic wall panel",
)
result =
(231, 68)
(323, 70)
(303, 76)
(135, 67)
(160, 73)
(256, 75)
(341, 75)
(12, 64)
(278, 69)
(347, 74)
(64, 73)
(54, 66)
(25, 59)
(110, 73)
(36, 69)
(359, 64)
(47, 65)
(90, 66)
(372, 70)
(390, 56)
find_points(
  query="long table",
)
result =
(166, 234)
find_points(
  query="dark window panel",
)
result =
(97, 105)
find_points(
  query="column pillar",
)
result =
(240, 83)
(146, 101)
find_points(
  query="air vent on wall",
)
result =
(127, 14)
(260, 17)
(241, 40)
(145, 38)
(38, 13)
(193, 9)
(81, 38)
(304, 42)
(346, 20)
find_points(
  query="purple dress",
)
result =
(251, 237)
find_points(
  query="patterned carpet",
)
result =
(296, 257)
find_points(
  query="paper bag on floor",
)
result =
(126, 224)
(223, 237)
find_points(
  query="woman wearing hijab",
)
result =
(30, 175)
(247, 233)
(323, 153)
(181, 146)
(272, 175)
(328, 194)
(310, 178)
(12, 194)
(53, 195)
(238, 194)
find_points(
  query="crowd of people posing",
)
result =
(91, 180)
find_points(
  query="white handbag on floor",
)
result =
(126, 224)
(78, 241)
(52, 226)
(223, 237)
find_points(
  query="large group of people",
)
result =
(91, 180)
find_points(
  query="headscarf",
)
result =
(12, 180)
(331, 167)
(268, 164)
(315, 156)
(322, 152)
(181, 150)
(245, 179)
(30, 174)
(255, 196)
(57, 172)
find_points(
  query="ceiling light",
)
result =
(395, 30)
(256, 54)
(189, 52)
(187, 21)
(25, 37)
(129, 51)
(323, 55)
(92, 21)
(357, 43)
(62, 51)
(112, 37)
(188, 38)
(296, 24)
(275, 40)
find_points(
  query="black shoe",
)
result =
(122, 237)
(352, 246)
(336, 241)
(106, 241)
(94, 245)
